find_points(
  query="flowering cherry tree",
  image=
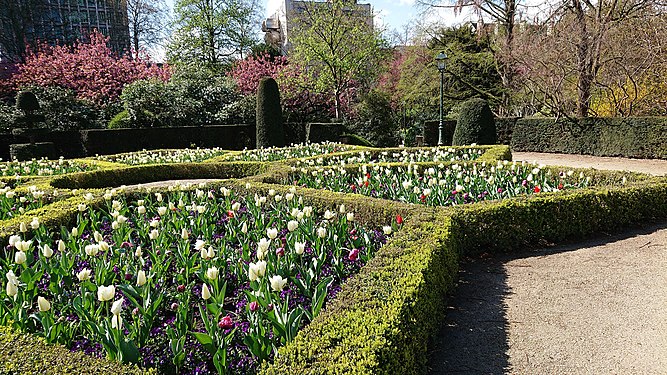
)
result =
(91, 69)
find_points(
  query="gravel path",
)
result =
(597, 307)
(651, 166)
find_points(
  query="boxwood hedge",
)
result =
(381, 321)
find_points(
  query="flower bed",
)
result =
(203, 281)
(441, 185)
(409, 155)
(43, 167)
(164, 156)
(292, 152)
(14, 203)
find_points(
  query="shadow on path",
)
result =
(474, 336)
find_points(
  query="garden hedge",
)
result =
(382, 319)
(635, 137)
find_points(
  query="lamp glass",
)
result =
(440, 60)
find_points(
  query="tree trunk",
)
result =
(584, 62)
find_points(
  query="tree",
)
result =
(91, 69)
(502, 13)
(338, 45)
(147, 20)
(213, 32)
(586, 53)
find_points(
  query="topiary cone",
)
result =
(27, 101)
(270, 130)
(475, 124)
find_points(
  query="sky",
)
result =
(390, 15)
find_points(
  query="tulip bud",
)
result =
(46, 251)
(244, 228)
(292, 225)
(387, 230)
(350, 216)
(205, 293)
(117, 306)
(43, 304)
(185, 234)
(75, 232)
(277, 283)
(61, 246)
(226, 323)
(20, 257)
(141, 278)
(299, 247)
(153, 234)
(97, 236)
(321, 232)
(138, 252)
(253, 306)
(23, 228)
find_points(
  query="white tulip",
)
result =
(61, 246)
(153, 234)
(121, 219)
(43, 304)
(88, 197)
(262, 248)
(46, 251)
(321, 232)
(97, 236)
(272, 233)
(212, 273)
(350, 216)
(244, 228)
(308, 211)
(82, 207)
(116, 322)
(158, 197)
(236, 206)
(141, 210)
(84, 274)
(161, 210)
(201, 209)
(211, 253)
(299, 247)
(115, 225)
(154, 223)
(12, 284)
(386, 229)
(23, 228)
(200, 244)
(341, 209)
(138, 252)
(141, 278)
(329, 215)
(292, 225)
(34, 224)
(277, 283)
(205, 293)
(14, 239)
(75, 232)
(185, 234)
(106, 293)
(22, 245)
(20, 257)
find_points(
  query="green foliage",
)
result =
(211, 33)
(29, 151)
(376, 119)
(29, 355)
(338, 45)
(475, 124)
(269, 118)
(27, 101)
(191, 97)
(120, 121)
(64, 111)
(636, 137)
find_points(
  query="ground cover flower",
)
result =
(408, 155)
(195, 292)
(291, 152)
(164, 156)
(440, 186)
(43, 167)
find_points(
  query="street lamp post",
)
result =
(440, 60)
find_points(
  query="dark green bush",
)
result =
(636, 137)
(63, 111)
(376, 119)
(431, 132)
(28, 151)
(324, 132)
(475, 124)
(27, 101)
(269, 117)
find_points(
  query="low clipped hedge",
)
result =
(635, 137)
(156, 172)
(24, 354)
(383, 317)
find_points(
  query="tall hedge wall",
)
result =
(636, 137)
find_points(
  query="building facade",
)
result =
(277, 28)
(28, 22)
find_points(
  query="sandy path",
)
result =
(651, 166)
(596, 307)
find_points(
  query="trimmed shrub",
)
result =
(120, 121)
(27, 101)
(269, 118)
(430, 132)
(353, 139)
(475, 124)
(323, 132)
(28, 151)
(635, 137)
